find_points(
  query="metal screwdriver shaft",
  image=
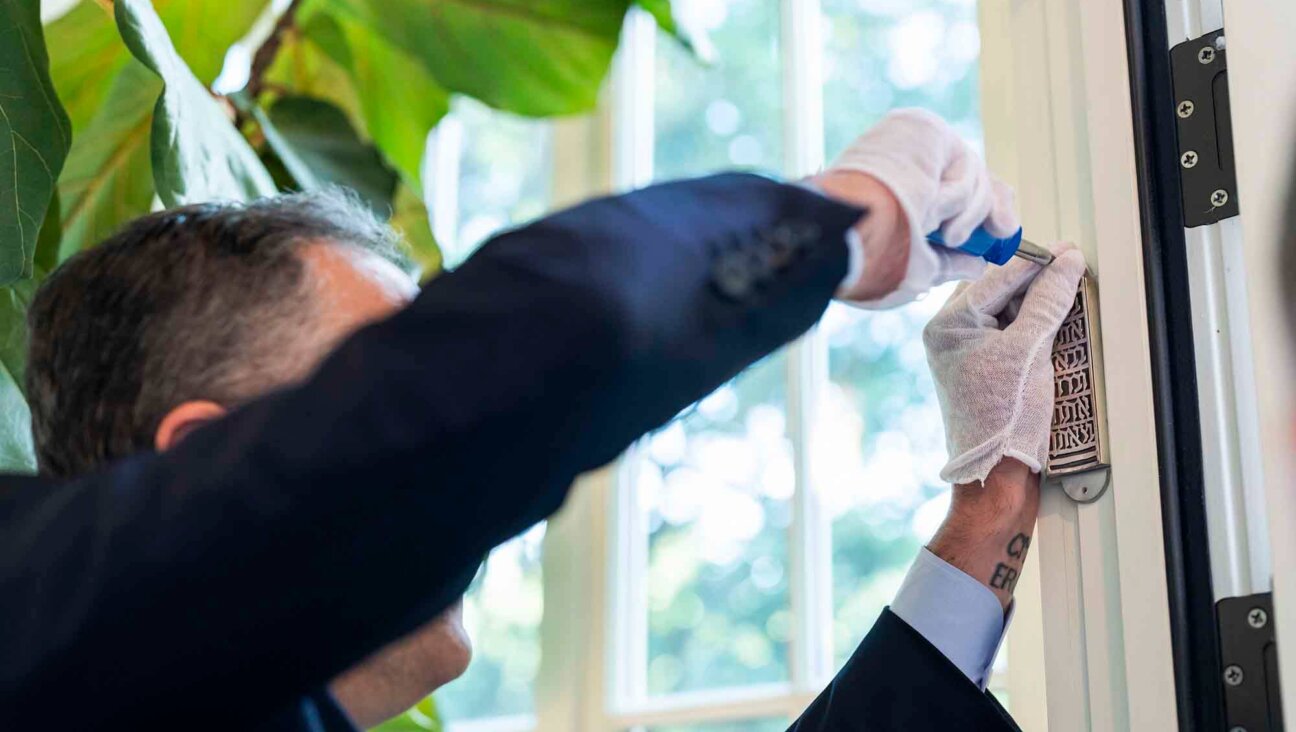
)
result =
(1033, 252)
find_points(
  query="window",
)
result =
(717, 577)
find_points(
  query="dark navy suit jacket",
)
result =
(222, 584)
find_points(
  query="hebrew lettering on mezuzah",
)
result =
(1078, 437)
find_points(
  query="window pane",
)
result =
(716, 484)
(505, 168)
(502, 615)
(886, 54)
(881, 450)
(726, 115)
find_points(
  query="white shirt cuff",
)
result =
(854, 247)
(958, 615)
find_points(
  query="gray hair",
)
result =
(192, 303)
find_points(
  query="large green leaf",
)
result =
(86, 51)
(197, 154)
(400, 100)
(35, 135)
(318, 145)
(304, 68)
(17, 454)
(108, 179)
(532, 57)
(388, 94)
(85, 55)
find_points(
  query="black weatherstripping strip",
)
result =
(1174, 377)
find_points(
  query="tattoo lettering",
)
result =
(1018, 546)
(1004, 578)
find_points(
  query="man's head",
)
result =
(186, 314)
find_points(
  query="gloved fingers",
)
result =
(992, 293)
(1003, 221)
(1052, 295)
(966, 197)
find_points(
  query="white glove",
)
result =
(990, 349)
(941, 183)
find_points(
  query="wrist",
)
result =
(884, 233)
(989, 527)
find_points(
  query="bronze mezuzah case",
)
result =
(1078, 437)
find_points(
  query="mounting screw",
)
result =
(1185, 109)
(1237, 729)
(1188, 159)
(1219, 198)
(1206, 54)
(1233, 675)
(1257, 618)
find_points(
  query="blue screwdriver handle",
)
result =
(985, 245)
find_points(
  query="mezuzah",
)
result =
(1078, 437)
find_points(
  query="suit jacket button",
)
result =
(732, 276)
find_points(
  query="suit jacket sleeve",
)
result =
(896, 680)
(277, 547)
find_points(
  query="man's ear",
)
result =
(184, 419)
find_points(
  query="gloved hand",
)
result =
(990, 349)
(940, 183)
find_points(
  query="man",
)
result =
(266, 552)
(217, 319)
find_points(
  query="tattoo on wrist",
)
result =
(1018, 546)
(1005, 576)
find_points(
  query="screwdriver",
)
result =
(998, 251)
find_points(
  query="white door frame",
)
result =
(1059, 125)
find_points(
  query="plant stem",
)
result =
(265, 54)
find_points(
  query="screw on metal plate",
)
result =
(1219, 198)
(1257, 618)
(1086, 487)
(1237, 729)
(1189, 159)
(1233, 675)
(1185, 109)
(1206, 55)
